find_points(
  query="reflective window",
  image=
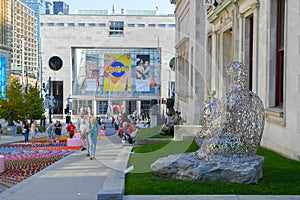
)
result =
(91, 24)
(116, 28)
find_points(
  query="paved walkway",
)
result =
(77, 177)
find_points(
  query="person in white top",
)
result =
(81, 126)
(33, 132)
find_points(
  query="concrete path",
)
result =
(75, 176)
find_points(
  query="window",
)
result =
(102, 107)
(141, 25)
(71, 24)
(151, 25)
(91, 24)
(60, 24)
(161, 25)
(172, 26)
(130, 25)
(279, 53)
(81, 24)
(50, 24)
(116, 28)
(42, 24)
(102, 25)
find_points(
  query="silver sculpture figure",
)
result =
(233, 125)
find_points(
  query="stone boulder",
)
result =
(193, 168)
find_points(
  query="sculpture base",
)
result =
(10, 130)
(192, 168)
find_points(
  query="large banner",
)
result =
(117, 72)
(91, 82)
(2, 77)
(143, 73)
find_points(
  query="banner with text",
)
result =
(117, 72)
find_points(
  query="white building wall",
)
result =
(59, 40)
(190, 45)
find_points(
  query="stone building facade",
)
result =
(264, 36)
(81, 41)
(190, 59)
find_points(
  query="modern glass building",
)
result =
(60, 7)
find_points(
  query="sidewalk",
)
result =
(75, 176)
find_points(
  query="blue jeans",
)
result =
(26, 137)
(92, 145)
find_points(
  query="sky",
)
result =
(164, 6)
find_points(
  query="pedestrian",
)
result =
(81, 126)
(93, 132)
(33, 132)
(117, 123)
(71, 129)
(58, 128)
(112, 121)
(25, 130)
(51, 133)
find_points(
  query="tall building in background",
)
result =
(24, 28)
(5, 43)
(60, 7)
(49, 9)
(39, 8)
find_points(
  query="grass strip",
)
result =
(280, 175)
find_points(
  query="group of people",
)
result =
(90, 132)
(54, 132)
(89, 128)
(29, 130)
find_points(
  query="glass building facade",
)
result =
(111, 76)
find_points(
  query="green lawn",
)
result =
(281, 176)
(151, 133)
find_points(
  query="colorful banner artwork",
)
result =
(143, 73)
(91, 82)
(117, 72)
(2, 77)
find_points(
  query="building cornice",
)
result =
(215, 14)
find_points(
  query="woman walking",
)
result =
(33, 132)
(50, 131)
(93, 131)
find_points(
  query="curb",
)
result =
(114, 185)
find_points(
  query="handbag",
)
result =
(24, 131)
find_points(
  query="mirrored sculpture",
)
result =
(233, 125)
(232, 128)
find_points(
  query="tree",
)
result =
(34, 104)
(13, 102)
(24, 106)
